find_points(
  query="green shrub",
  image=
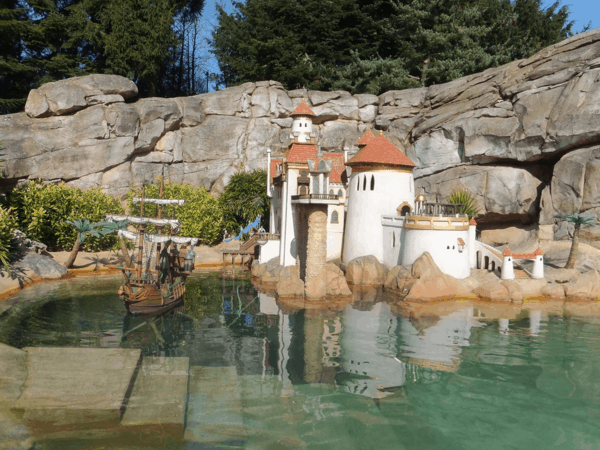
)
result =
(467, 200)
(244, 199)
(200, 215)
(43, 209)
(7, 223)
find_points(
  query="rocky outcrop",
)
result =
(431, 283)
(366, 271)
(288, 284)
(66, 96)
(521, 136)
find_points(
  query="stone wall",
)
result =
(522, 137)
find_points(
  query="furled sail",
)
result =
(159, 238)
(173, 223)
(159, 201)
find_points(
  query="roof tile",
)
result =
(365, 138)
(302, 110)
(380, 150)
(300, 153)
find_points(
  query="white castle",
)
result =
(366, 205)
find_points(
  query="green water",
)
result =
(360, 377)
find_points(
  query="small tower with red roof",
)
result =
(302, 131)
(507, 272)
(381, 181)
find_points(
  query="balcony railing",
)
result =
(315, 197)
(438, 209)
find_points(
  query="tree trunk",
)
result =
(125, 252)
(69, 262)
(574, 248)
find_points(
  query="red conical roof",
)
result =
(472, 221)
(365, 138)
(302, 110)
(380, 150)
(539, 251)
(507, 252)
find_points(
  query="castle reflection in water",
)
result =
(362, 347)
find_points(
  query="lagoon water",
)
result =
(365, 375)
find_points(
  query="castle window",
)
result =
(315, 185)
(448, 247)
(393, 239)
(364, 183)
(322, 165)
(334, 217)
(302, 190)
(372, 182)
(340, 193)
(330, 191)
(357, 183)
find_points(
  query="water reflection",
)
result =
(451, 375)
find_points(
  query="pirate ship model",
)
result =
(156, 282)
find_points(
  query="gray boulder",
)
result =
(43, 266)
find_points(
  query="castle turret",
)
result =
(381, 181)
(538, 264)
(302, 131)
(507, 272)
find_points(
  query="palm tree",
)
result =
(121, 225)
(579, 221)
(84, 227)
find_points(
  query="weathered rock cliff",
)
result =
(522, 137)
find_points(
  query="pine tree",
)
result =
(15, 74)
(322, 45)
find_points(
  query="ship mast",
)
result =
(141, 230)
(158, 246)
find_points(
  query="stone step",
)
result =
(214, 411)
(75, 385)
(159, 395)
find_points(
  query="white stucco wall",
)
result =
(287, 255)
(335, 231)
(269, 251)
(364, 232)
(393, 235)
(450, 260)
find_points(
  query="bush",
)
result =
(43, 209)
(7, 223)
(200, 215)
(244, 199)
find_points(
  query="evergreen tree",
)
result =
(49, 40)
(14, 72)
(322, 45)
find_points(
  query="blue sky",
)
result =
(582, 12)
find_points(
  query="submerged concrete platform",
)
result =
(13, 374)
(68, 386)
(159, 395)
(214, 408)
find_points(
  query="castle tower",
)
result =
(381, 181)
(538, 264)
(302, 131)
(507, 272)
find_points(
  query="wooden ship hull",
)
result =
(143, 299)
